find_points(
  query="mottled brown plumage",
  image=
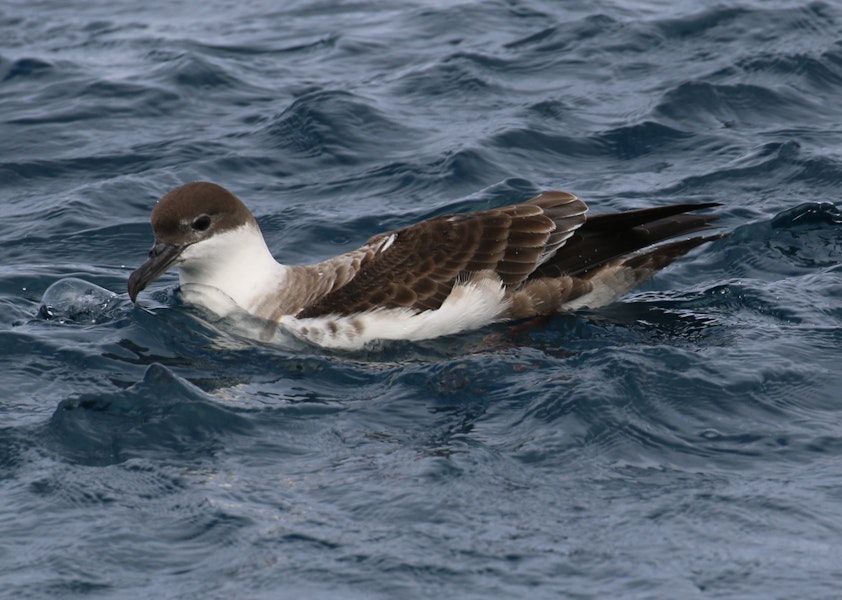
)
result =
(424, 261)
(519, 244)
(439, 276)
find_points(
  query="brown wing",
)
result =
(421, 264)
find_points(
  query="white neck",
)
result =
(236, 262)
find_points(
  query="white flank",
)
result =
(469, 306)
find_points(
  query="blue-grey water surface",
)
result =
(683, 443)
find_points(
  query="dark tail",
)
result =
(606, 237)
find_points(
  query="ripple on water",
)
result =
(335, 127)
(162, 415)
(156, 449)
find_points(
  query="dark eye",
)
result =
(201, 223)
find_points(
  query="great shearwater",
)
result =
(441, 276)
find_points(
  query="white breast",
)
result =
(237, 263)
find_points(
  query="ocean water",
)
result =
(685, 442)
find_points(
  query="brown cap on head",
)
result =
(178, 216)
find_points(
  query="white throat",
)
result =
(236, 262)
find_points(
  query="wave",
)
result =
(160, 415)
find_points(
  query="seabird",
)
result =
(441, 276)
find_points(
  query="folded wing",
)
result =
(418, 266)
